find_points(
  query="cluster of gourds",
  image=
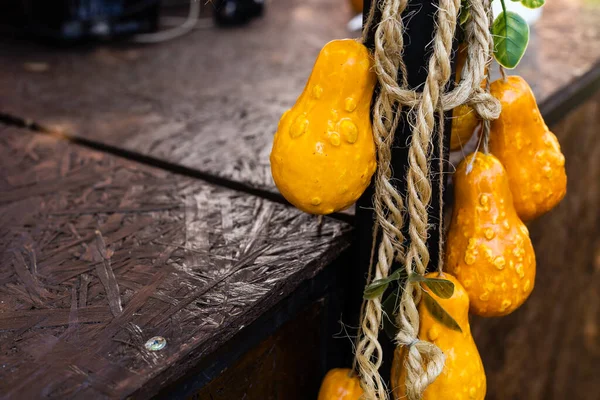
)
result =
(323, 158)
(489, 256)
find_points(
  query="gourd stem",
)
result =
(486, 124)
(502, 72)
(486, 136)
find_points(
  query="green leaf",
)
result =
(533, 3)
(438, 312)
(390, 307)
(511, 36)
(443, 288)
(464, 14)
(377, 287)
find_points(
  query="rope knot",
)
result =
(487, 106)
(424, 362)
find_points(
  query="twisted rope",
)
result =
(425, 361)
(387, 202)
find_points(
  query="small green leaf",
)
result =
(438, 312)
(390, 308)
(443, 288)
(533, 3)
(377, 287)
(464, 14)
(511, 36)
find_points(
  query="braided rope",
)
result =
(425, 361)
(388, 202)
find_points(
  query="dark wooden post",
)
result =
(418, 34)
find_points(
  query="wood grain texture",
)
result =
(98, 254)
(211, 100)
(550, 347)
(283, 366)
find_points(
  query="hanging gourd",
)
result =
(323, 153)
(488, 247)
(463, 376)
(340, 384)
(464, 118)
(528, 150)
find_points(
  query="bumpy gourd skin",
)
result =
(488, 246)
(340, 384)
(463, 377)
(323, 153)
(464, 118)
(528, 150)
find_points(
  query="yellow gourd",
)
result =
(528, 150)
(463, 376)
(323, 153)
(340, 384)
(464, 118)
(488, 247)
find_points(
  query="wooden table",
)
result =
(144, 207)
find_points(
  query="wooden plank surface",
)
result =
(549, 349)
(211, 100)
(99, 254)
